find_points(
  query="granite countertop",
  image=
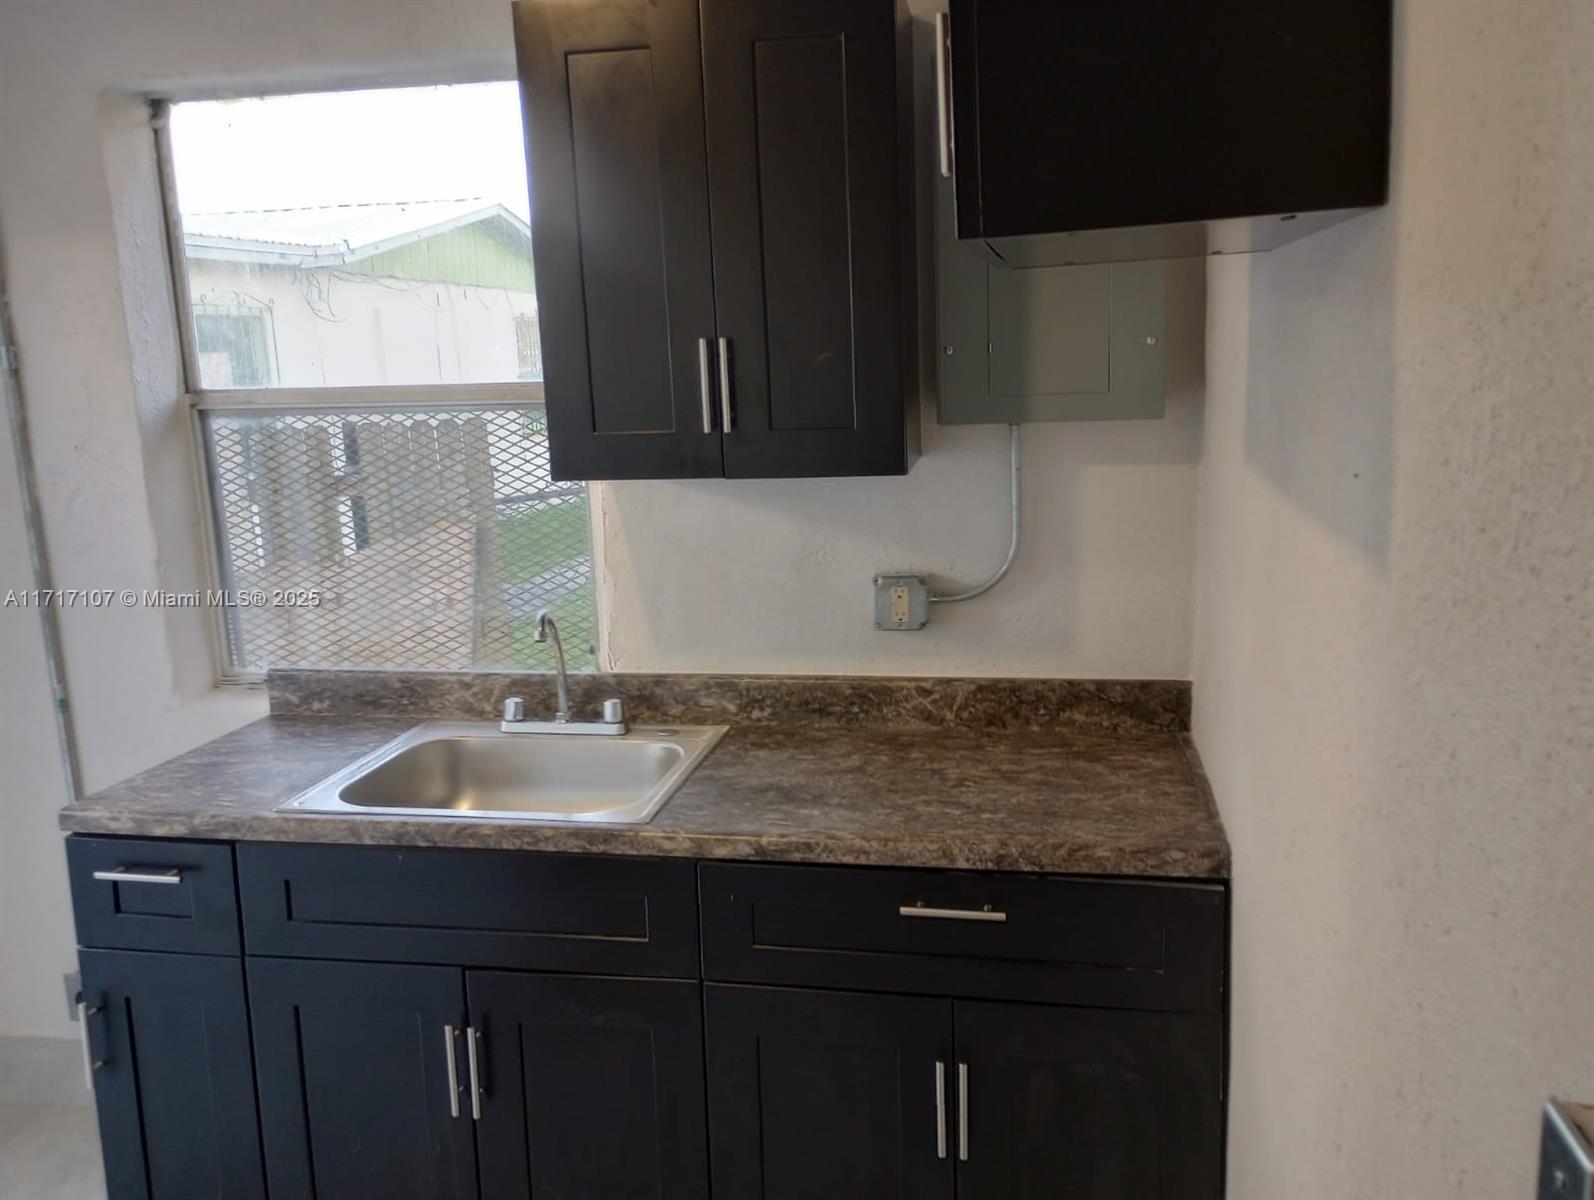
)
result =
(1080, 794)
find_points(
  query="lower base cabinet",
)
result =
(357, 1023)
(355, 1083)
(383, 1082)
(167, 1037)
(592, 1087)
(827, 1094)
(864, 1097)
(1087, 1104)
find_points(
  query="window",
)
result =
(361, 344)
(235, 346)
(528, 347)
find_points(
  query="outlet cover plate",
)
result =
(901, 602)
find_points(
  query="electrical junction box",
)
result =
(901, 602)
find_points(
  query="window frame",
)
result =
(198, 400)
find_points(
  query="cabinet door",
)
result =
(1089, 1104)
(169, 1034)
(355, 1094)
(613, 100)
(591, 1087)
(827, 1094)
(812, 252)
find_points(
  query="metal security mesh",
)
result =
(397, 538)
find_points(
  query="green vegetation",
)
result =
(542, 539)
(531, 544)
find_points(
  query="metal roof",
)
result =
(333, 234)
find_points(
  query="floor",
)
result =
(49, 1152)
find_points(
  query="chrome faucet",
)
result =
(547, 631)
(514, 718)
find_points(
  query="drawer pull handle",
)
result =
(85, 1010)
(453, 1071)
(953, 914)
(943, 90)
(727, 423)
(472, 1039)
(963, 1112)
(940, 1109)
(704, 387)
(134, 875)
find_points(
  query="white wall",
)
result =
(1395, 636)
(747, 576)
(387, 330)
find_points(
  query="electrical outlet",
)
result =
(901, 602)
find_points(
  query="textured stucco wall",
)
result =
(1395, 636)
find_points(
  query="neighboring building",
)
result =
(435, 291)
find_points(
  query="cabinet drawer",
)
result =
(1118, 944)
(473, 908)
(153, 895)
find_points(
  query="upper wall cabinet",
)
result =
(1103, 132)
(723, 228)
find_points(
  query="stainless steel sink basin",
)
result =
(475, 770)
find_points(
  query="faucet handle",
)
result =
(514, 709)
(614, 711)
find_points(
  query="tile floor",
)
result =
(49, 1152)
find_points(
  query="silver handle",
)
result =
(453, 1071)
(952, 914)
(86, 1010)
(940, 1109)
(963, 1112)
(515, 709)
(704, 387)
(472, 1037)
(943, 88)
(131, 875)
(725, 384)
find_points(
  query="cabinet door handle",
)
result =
(472, 1038)
(940, 1109)
(137, 875)
(963, 1112)
(725, 384)
(85, 1010)
(953, 914)
(453, 1071)
(943, 89)
(704, 387)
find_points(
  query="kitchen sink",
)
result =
(476, 770)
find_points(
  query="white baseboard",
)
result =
(42, 1071)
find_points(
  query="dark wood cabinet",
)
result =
(1159, 128)
(168, 1035)
(723, 228)
(813, 241)
(613, 97)
(848, 1095)
(847, 1032)
(829, 1094)
(1090, 1104)
(357, 1098)
(591, 1087)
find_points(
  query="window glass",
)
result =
(356, 239)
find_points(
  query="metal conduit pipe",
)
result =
(1016, 511)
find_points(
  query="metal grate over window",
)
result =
(396, 538)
